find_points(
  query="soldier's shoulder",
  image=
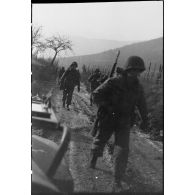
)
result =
(68, 71)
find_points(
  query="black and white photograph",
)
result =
(97, 97)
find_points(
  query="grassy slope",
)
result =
(154, 98)
(42, 71)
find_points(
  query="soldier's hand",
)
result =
(78, 89)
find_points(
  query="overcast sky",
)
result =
(128, 21)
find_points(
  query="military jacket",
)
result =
(94, 80)
(120, 95)
(70, 78)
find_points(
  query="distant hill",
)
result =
(150, 51)
(86, 46)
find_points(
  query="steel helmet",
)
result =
(97, 70)
(74, 64)
(136, 63)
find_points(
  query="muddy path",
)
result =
(145, 165)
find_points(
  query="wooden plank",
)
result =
(40, 110)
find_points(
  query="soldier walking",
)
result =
(116, 99)
(94, 80)
(69, 80)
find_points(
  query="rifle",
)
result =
(114, 66)
(101, 109)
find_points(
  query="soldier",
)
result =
(94, 80)
(103, 78)
(117, 98)
(69, 80)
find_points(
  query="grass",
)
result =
(42, 71)
(155, 104)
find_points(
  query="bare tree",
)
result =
(36, 34)
(37, 45)
(58, 43)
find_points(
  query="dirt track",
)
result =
(145, 165)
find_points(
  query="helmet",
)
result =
(97, 70)
(136, 63)
(74, 64)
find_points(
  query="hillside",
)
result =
(86, 46)
(150, 51)
(41, 72)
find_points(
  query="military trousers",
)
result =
(91, 99)
(121, 130)
(67, 95)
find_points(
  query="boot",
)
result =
(68, 107)
(93, 161)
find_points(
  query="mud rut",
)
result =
(144, 171)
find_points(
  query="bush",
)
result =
(154, 98)
(42, 70)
